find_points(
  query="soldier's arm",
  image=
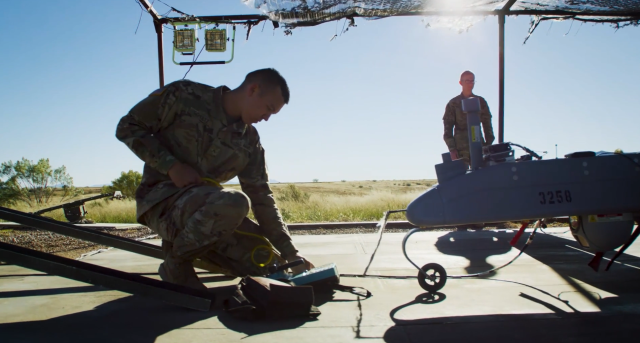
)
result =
(449, 121)
(254, 182)
(485, 118)
(136, 130)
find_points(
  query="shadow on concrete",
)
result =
(475, 246)
(563, 255)
(51, 291)
(427, 298)
(130, 319)
(525, 328)
(617, 321)
(253, 328)
(568, 259)
(322, 296)
(135, 319)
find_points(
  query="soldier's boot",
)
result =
(178, 270)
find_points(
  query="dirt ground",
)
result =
(64, 246)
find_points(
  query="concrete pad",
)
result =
(549, 293)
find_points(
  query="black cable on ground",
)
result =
(383, 223)
(404, 250)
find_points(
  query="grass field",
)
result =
(347, 201)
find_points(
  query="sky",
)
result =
(367, 105)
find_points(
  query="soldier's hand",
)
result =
(301, 267)
(454, 154)
(184, 175)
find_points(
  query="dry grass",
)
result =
(100, 211)
(346, 208)
(359, 187)
(348, 201)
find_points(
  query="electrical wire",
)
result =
(173, 9)
(383, 224)
(139, 20)
(195, 59)
(142, 10)
(139, 4)
(404, 251)
(529, 151)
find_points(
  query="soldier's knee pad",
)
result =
(236, 204)
(241, 202)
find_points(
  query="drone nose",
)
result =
(427, 209)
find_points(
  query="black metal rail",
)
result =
(110, 278)
(78, 232)
(102, 238)
(75, 203)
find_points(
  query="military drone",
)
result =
(598, 191)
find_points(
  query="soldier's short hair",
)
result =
(466, 72)
(268, 77)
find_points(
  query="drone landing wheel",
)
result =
(436, 277)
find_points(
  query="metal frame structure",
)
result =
(96, 275)
(502, 13)
(158, 21)
(78, 232)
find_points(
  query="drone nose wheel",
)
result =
(435, 277)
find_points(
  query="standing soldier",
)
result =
(455, 121)
(193, 137)
(455, 126)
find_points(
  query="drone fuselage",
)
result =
(512, 191)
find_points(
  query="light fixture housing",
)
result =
(215, 40)
(184, 40)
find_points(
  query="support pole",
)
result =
(501, 19)
(159, 30)
(158, 26)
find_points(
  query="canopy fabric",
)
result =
(294, 13)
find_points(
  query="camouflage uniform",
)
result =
(456, 135)
(455, 126)
(184, 121)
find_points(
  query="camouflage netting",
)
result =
(312, 12)
(293, 13)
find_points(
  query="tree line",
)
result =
(38, 184)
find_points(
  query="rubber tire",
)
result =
(438, 270)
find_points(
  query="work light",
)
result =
(216, 40)
(184, 40)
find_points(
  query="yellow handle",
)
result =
(254, 251)
(211, 182)
(268, 247)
